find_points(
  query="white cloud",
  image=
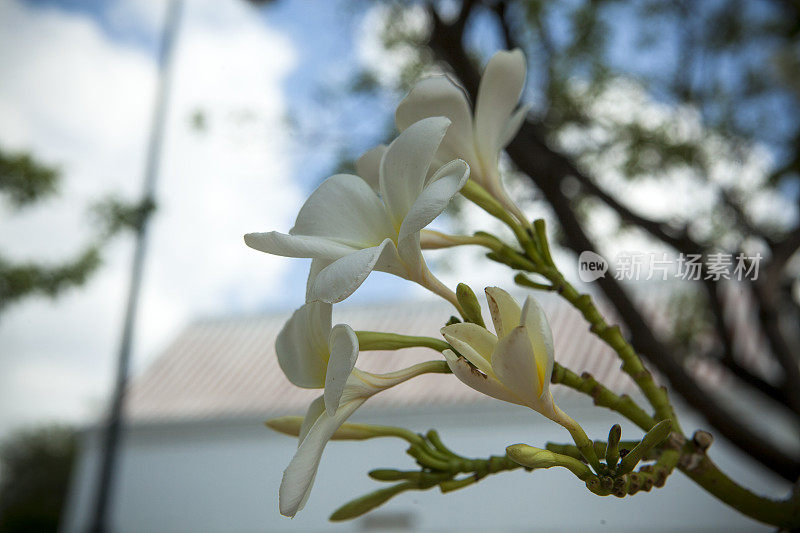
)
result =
(77, 98)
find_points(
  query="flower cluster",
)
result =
(352, 225)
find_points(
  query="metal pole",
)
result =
(113, 429)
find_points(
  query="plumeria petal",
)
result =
(338, 280)
(316, 408)
(513, 125)
(298, 478)
(275, 243)
(404, 167)
(302, 345)
(439, 96)
(344, 352)
(409, 251)
(514, 364)
(498, 94)
(504, 310)
(433, 199)
(369, 164)
(317, 265)
(345, 209)
(541, 337)
(473, 342)
(478, 381)
(391, 262)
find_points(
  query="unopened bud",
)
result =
(288, 425)
(368, 502)
(388, 474)
(469, 304)
(612, 448)
(652, 438)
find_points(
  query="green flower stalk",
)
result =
(531, 457)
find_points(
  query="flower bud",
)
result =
(469, 304)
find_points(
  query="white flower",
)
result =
(313, 354)
(516, 364)
(350, 231)
(477, 140)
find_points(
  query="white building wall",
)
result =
(224, 476)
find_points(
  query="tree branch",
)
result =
(679, 239)
(547, 168)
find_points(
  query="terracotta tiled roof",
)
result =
(227, 367)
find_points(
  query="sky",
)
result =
(78, 92)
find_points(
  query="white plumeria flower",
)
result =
(479, 139)
(350, 231)
(313, 354)
(516, 364)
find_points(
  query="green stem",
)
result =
(602, 396)
(435, 285)
(290, 425)
(544, 243)
(524, 281)
(464, 240)
(378, 340)
(531, 457)
(611, 335)
(481, 197)
(582, 441)
(426, 459)
(456, 484)
(600, 448)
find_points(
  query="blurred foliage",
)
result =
(35, 468)
(198, 121)
(20, 280)
(116, 215)
(24, 182)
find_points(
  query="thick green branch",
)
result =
(782, 513)
(631, 363)
(602, 396)
(677, 451)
